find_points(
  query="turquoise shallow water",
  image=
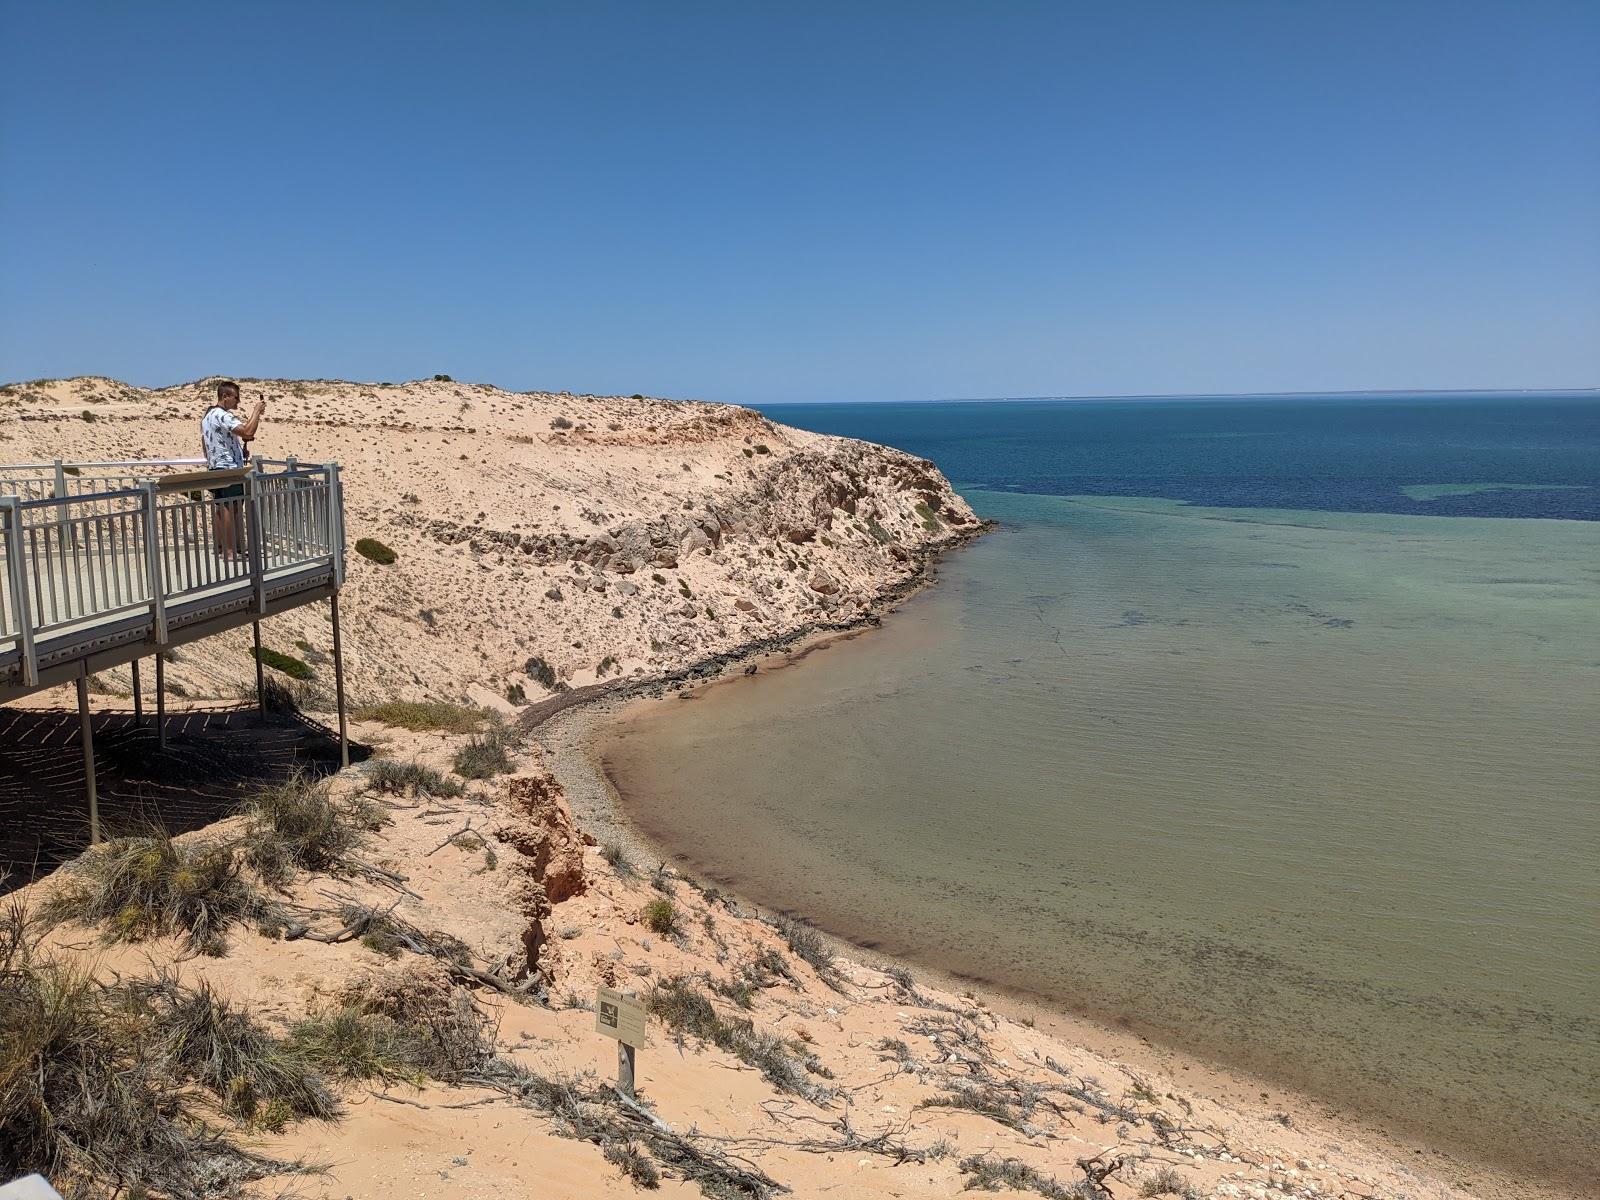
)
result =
(1314, 792)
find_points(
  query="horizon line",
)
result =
(1330, 393)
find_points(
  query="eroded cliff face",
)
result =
(544, 540)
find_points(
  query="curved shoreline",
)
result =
(569, 733)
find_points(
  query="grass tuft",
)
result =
(485, 757)
(298, 826)
(809, 946)
(411, 779)
(1167, 1181)
(633, 1163)
(985, 1174)
(438, 1037)
(617, 857)
(95, 1081)
(223, 1048)
(151, 885)
(422, 715)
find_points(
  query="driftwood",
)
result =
(359, 921)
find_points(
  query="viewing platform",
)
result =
(103, 564)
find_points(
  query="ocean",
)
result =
(1264, 727)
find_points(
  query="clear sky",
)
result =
(758, 202)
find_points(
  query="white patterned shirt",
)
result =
(223, 448)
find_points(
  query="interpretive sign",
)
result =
(619, 1015)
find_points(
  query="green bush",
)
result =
(286, 663)
(375, 551)
(662, 917)
(540, 672)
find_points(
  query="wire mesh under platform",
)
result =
(214, 758)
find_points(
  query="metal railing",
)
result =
(88, 543)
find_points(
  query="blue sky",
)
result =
(764, 203)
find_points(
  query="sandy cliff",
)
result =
(604, 536)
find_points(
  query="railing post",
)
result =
(336, 523)
(155, 567)
(12, 507)
(252, 487)
(61, 507)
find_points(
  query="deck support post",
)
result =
(88, 756)
(161, 702)
(261, 674)
(338, 685)
(138, 697)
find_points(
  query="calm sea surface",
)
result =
(1270, 728)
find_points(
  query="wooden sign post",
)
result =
(620, 1015)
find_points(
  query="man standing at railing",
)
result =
(223, 434)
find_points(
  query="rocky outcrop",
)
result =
(539, 827)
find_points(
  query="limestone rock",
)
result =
(823, 583)
(543, 832)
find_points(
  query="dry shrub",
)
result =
(411, 779)
(686, 1010)
(298, 826)
(376, 1035)
(101, 1084)
(151, 885)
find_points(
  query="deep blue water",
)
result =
(1333, 453)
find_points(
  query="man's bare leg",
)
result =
(222, 523)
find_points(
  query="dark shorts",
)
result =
(230, 492)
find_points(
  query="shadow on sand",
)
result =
(213, 759)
